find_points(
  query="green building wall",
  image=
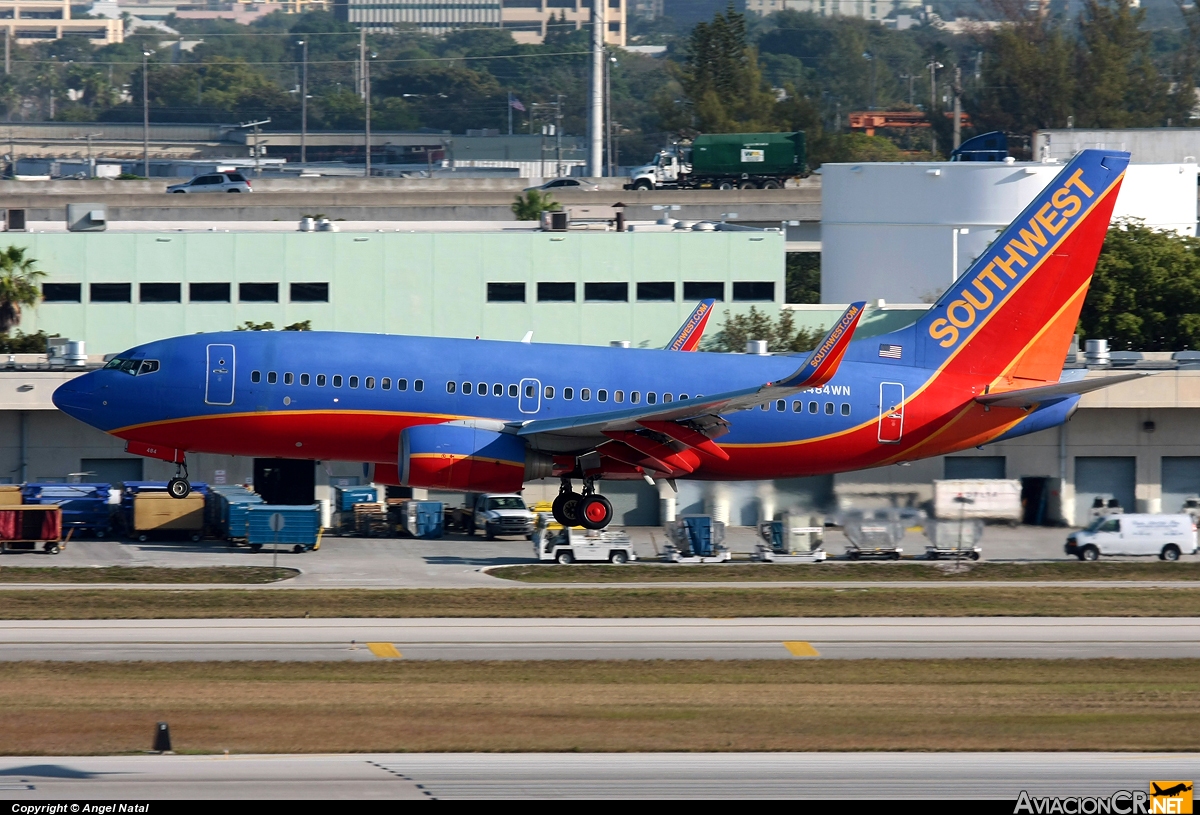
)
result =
(429, 283)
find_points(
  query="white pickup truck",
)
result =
(494, 514)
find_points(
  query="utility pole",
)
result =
(367, 111)
(933, 66)
(957, 107)
(255, 148)
(145, 113)
(596, 95)
(558, 117)
(608, 121)
(304, 102)
(362, 58)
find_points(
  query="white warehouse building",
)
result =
(903, 232)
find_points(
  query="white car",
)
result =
(561, 184)
(1167, 536)
(224, 181)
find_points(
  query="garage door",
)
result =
(975, 467)
(635, 503)
(111, 470)
(1180, 480)
(1104, 477)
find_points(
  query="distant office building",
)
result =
(867, 9)
(32, 21)
(527, 19)
(646, 9)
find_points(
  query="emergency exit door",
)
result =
(530, 399)
(891, 412)
(219, 388)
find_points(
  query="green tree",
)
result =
(780, 332)
(19, 278)
(1028, 71)
(1145, 294)
(804, 277)
(722, 81)
(1118, 85)
(529, 207)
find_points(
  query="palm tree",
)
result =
(18, 285)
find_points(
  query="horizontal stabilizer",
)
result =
(1027, 397)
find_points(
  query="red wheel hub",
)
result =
(595, 511)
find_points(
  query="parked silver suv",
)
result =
(226, 181)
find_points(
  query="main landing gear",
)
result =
(589, 510)
(179, 486)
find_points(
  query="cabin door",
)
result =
(219, 388)
(891, 412)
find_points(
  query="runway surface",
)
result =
(619, 775)
(535, 639)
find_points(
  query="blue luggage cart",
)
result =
(301, 526)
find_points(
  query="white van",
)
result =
(1167, 536)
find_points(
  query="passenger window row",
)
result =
(173, 292)
(747, 291)
(548, 391)
(798, 407)
(337, 380)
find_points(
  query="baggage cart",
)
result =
(301, 529)
(695, 539)
(418, 519)
(85, 507)
(29, 527)
(874, 536)
(791, 539)
(148, 510)
(953, 539)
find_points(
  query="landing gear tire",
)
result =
(595, 512)
(179, 487)
(566, 508)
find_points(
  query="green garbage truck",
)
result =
(725, 161)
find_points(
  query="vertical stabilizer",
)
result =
(1010, 317)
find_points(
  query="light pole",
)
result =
(608, 122)
(304, 101)
(145, 113)
(958, 230)
(868, 56)
(933, 66)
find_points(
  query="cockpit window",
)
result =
(129, 366)
(149, 366)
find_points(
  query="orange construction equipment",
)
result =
(871, 120)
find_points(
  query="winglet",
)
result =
(823, 362)
(689, 334)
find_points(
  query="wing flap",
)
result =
(1027, 397)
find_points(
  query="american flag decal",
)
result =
(890, 351)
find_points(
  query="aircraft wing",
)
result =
(702, 413)
(689, 334)
(1028, 397)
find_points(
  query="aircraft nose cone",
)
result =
(76, 398)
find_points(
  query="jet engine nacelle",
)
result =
(464, 457)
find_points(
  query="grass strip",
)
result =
(396, 706)
(932, 571)
(144, 574)
(607, 602)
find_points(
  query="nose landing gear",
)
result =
(179, 486)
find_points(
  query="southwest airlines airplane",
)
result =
(984, 364)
